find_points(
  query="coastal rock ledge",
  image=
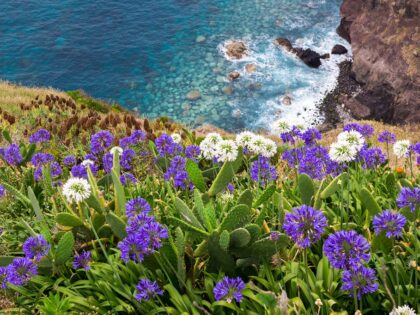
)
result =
(385, 37)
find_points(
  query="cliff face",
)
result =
(385, 39)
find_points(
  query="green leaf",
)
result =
(269, 191)
(225, 175)
(20, 196)
(381, 242)
(186, 213)
(246, 198)
(369, 202)
(185, 225)
(68, 219)
(6, 135)
(118, 193)
(38, 213)
(237, 217)
(224, 240)
(64, 248)
(219, 259)
(306, 188)
(266, 248)
(239, 238)
(254, 230)
(5, 260)
(117, 225)
(334, 186)
(195, 175)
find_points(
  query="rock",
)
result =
(383, 35)
(308, 56)
(236, 49)
(236, 113)
(200, 39)
(186, 106)
(339, 50)
(193, 95)
(250, 68)
(234, 75)
(283, 42)
(325, 56)
(287, 100)
(228, 90)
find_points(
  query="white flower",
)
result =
(87, 162)
(401, 148)
(403, 310)
(258, 144)
(244, 139)
(352, 138)
(226, 150)
(269, 148)
(176, 137)
(116, 149)
(208, 145)
(342, 152)
(226, 197)
(281, 126)
(76, 189)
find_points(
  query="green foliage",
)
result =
(64, 248)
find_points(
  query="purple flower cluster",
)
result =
(39, 136)
(128, 178)
(55, 169)
(176, 171)
(305, 225)
(21, 270)
(2, 192)
(346, 250)
(36, 247)
(137, 206)
(292, 135)
(147, 290)
(100, 141)
(3, 277)
(40, 159)
(229, 289)
(387, 137)
(392, 223)
(311, 136)
(144, 237)
(70, 160)
(82, 260)
(12, 154)
(192, 152)
(127, 158)
(262, 171)
(166, 146)
(365, 129)
(409, 198)
(136, 137)
(359, 281)
(80, 170)
(371, 157)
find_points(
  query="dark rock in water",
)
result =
(236, 49)
(234, 75)
(308, 56)
(284, 42)
(325, 56)
(339, 50)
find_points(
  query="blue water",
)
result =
(145, 55)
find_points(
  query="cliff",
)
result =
(385, 37)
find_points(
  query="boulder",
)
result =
(339, 50)
(325, 56)
(234, 75)
(228, 90)
(308, 56)
(283, 42)
(287, 100)
(236, 49)
(193, 95)
(200, 39)
(250, 68)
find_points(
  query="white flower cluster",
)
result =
(215, 147)
(116, 149)
(403, 310)
(176, 137)
(347, 146)
(402, 148)
(76, 189)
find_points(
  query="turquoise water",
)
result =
(147, 55)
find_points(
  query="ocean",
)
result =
(148, 55)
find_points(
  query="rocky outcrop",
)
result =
(234, 75)
(308, 56)
(236, 49)
(385, 37)
(339, 50)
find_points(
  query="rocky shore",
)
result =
(383, 81)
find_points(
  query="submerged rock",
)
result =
(234, 75)
(200, 39)
(250, 68)
(193, 95)
(228, 90)
(308, 56)
(339, 50)
(283, 42)
(236, 49)
(287, 100)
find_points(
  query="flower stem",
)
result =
(305, 262)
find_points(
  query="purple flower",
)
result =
(108, 162)
(136, 206)
(346, 249)
(359, 281)
(82, 260)
(133, 247)
(176, 172)
(128, 178)
(293, 156)
(69, 160)
(21, 270)
(192, 151)
(39, 159)
(147, 290)
(372, 157)
(137, 136)
(91, 157)
(310, 136)
(274, 236)
(165, 145)
(2, 192)
(262, 171)
(229, 289)
(41, 135)
(4, 273)
(36, 247)
(392, 223)
(80, 170)
(305, 225)
(291, 136)
(12, 154)
(365, 129)
(409, 198)
(127, 158)
(100, 141)
(416, 148)
(314, 162)
(230, 187)
(387, 137)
